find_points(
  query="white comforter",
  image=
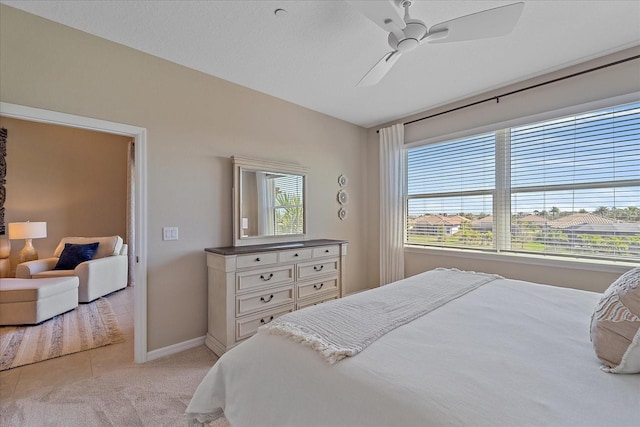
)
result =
(347, 326)
(510, 353)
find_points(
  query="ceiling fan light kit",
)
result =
(407, 34)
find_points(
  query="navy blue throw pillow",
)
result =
(74, 254)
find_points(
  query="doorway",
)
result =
(140, 241)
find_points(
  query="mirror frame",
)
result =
(247, 164)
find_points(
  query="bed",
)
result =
(502, 353)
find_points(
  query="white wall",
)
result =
(194, 123)
(605, 83)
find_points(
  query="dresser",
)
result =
(250, 286)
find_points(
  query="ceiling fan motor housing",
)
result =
(413, 33)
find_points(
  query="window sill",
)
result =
(516, 258)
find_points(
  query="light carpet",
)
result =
(155, 393)
(87, 326)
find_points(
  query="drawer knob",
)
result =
(257, 259)
(316, 268)
(317, 288)
(326, 251)
(266, 300)
(295, 255)
(263, 321)
(266, 278)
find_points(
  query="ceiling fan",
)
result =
(405, 34)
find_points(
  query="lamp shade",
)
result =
(27, 230)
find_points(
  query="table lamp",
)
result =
(27, 230)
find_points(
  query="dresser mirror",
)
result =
(269, 201)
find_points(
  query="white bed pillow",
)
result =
(615, 325)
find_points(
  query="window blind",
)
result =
(288, 204)
(568, 186)
(575, 184)
(449, 186)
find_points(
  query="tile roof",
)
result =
(441, 220)
(580, 218)
(532, 218)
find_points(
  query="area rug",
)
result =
(88, 326)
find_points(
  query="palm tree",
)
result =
(288, 213)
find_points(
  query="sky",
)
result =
(602, 146)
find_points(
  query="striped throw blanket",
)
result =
(347, 326)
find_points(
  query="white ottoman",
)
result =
(31, 301)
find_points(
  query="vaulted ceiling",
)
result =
(314, 53)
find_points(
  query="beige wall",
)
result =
(194, 123)
(73, 179)
(605, 83)
(589, 278)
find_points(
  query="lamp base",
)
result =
(28, 253)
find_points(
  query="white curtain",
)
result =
(392, 181)
(263, 204)
(130, 238)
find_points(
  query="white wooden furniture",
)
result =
(255, 190)
(250, 286)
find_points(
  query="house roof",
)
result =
(578, 219)
(618, 228)
(441, 220)
(532, 218)
(483, 221)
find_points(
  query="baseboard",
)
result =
(175, 348)
(357, 292)
(214, 345)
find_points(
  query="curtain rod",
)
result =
(497, 97)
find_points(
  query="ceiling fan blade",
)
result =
(496, 22)
(379, 70)
(381, 12)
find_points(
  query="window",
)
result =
(450, 185)
(287, 204)
(569, 186)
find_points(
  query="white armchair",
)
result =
(106, 272)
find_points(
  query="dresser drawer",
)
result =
(317, 268)
(251, 303)
(325, 251)
(248, 326)
(315, 301)
(318, 287)
(257, 259)
(247, 280)
(295, 256)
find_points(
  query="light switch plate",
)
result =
(169, 233)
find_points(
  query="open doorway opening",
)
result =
(138, 135)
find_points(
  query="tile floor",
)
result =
(22, 381)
